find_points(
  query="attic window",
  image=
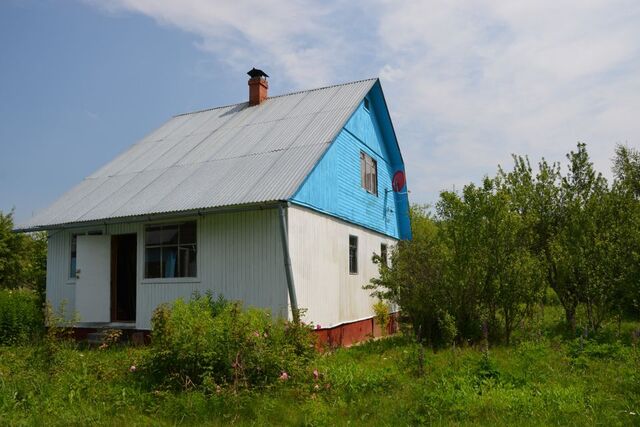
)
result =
(366, 104)
(368, 173)
(170, 250)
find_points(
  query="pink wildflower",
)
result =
(318, 327)
(132, 368)
(316, 374)
(284, 376)
(256, 334)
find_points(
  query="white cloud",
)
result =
(286, 35)
(468, 83)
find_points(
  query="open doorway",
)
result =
(123, 277)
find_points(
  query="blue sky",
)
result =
(468, 83)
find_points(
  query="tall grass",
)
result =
(543, 379)
(21, 317)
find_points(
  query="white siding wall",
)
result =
(319, 248)
(59, 288)
(239, 256)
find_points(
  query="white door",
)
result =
(93, 278)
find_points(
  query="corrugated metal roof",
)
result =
(233, 155)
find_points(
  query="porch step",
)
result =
(129, 335)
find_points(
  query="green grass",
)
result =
(543, 379)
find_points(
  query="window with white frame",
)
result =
(369, 173)
(170, 250)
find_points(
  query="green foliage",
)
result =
(21, 318)
(487, 369)
(411, 284)
(211, 343)
(546, 382)
(381, 314)
(486, 256)
(59, 335)
(448, 328)
(23, 258)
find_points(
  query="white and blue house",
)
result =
(279, 202)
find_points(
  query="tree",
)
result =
(22, 257)
(413, 281)
(518, 270)
(584, 235)
(488, 254)
(626, 212)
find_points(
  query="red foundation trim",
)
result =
(347, 334)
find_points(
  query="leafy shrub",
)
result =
(213, 343)
(447, 324)
(20, 316)
(487, 369)
(381, 314)
(594, 350)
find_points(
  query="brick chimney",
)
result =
(258, 86)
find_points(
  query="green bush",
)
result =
(21, 316)
(215, 343)
(382, 316)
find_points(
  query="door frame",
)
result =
(114, 276)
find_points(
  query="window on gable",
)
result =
(369, 173)
(353, 254)
(170, 250)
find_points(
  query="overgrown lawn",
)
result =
(548, 380)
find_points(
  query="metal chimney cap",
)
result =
(254, 72)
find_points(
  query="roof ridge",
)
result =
(278, 96)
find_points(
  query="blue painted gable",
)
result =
(334, 186)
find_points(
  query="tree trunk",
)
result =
(485, 335)
(507, 327)
(570, 314)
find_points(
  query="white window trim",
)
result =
(162, 280)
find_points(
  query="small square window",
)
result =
(353, 254)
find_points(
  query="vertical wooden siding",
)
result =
(59, 288)
(239, 256)
(319, 246)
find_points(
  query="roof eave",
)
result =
(153, 217)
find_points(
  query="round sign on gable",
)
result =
(398, 181)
